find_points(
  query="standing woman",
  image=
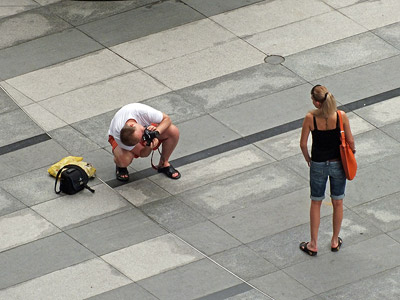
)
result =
(324, 163)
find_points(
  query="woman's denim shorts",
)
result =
(319, 173)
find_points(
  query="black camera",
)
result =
(148, 136)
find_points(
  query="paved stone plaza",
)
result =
(231, 226)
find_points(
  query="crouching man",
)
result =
(126, 138)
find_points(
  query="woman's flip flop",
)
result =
(338, 246)
(303, 247)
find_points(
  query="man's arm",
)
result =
(164, 124)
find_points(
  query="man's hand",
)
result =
(151, 127)
(154, 143)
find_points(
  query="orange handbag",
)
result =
(348, 159)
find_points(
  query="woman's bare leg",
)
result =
(336, 221)
(315, 219)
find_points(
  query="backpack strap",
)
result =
(57, 177)
(89, 188)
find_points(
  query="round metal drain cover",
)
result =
(274, 59)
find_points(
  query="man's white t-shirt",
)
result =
(141, 113)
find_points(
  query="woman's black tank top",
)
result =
(326, 143)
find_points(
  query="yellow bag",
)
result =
(72, 160)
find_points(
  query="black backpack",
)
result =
(72, 180)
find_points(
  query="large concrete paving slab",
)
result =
(82, 12)
(18, 28)
(343, 55)
(41, 257)
(61, 78)
(381, 14)
(173, 43)
(46, 50)
(215, 7)
(206, 64)
(146, 20)
(305, 34)
(79, 281)
(152, 257)
(266, 15)
(363, 261)
(116, 232)
(208, 277)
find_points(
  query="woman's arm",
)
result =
(305, 132)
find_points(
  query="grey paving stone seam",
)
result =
(16, 60)
(46, 255)
(358, 281)
(167, 15)
(38, 239)
(353, 208)
(47, 8)
(371, 100)
(240, 142)
(212, 7)
(229, 292)
(75, 264)
(58, 24)
(324, 49)
(216, 263)
(320, 255)
(95, 83)
(190, 245)
(330, 253)
(26, 142)
(380, 37)
(65, 231)
(53, 8)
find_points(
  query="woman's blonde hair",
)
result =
(321, 94)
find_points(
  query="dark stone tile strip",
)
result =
(24, 143)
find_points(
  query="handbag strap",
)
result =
(342, 136)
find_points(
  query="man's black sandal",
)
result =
(303, 247)
(122, 174)
(169, 171)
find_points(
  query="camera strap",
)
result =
(152, 153)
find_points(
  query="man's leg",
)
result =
(170, 139)
(122, 159)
